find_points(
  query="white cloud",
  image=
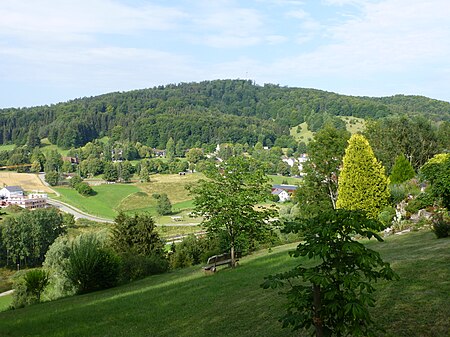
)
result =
(78, 20)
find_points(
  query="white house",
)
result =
(282, 194)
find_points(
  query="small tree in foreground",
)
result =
(332, 293)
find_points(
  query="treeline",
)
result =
(210, 112)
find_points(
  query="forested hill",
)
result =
(218, 111)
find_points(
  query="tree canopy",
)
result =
(229, 201)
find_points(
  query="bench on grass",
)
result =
(219, 260)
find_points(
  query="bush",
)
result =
(387, 215)
(56, 261)
(90, 266)
(84, 189)
(134, 267)
(420, 202)
(75, 180)
(193, 251)
(36, 280)
(28, 287)
(441, 224)
(52, 178)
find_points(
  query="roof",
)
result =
(285, 187)
(14, 188)
(277, 191)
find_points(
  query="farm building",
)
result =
(14, 195)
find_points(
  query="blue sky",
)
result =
(56, 50)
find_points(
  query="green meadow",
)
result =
(231, 303)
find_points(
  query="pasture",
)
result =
(231, 303)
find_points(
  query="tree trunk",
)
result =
(233, 260)
(318, 324)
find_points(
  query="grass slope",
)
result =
(103, 204)
(231, 303)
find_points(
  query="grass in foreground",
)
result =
(231, 302)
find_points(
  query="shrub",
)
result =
(387, 215)
(441, 224)
(193, 251)
(75, 180)
(84, 189)
(134, 267)
(90, 266)
(36, 280)
(421, 201)
(56, 261)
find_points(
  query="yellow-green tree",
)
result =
(362, 184)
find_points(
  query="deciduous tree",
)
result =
(229, 201)
(332, 295)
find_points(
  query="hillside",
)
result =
(209, 112)
(231, 303)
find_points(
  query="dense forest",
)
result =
(210, 112)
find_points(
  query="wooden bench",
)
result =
(219, 260)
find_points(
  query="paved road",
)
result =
(78, 214)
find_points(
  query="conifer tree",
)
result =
(402, 170)
(362, 184)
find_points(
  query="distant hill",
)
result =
(208, 112)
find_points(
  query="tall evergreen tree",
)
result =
(362, 183)
(402, 170)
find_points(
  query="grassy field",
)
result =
(105, 203)
(46, 147)
(279, 180)
(28, 181)
(301, 133)
(112, 198)
(354, 124)
(231, 302)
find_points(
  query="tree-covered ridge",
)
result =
(206, 112)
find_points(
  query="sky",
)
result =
(57, 50)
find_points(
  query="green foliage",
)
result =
(414, 137)
(90, 266)
(334, 295)
(441, 223)
(170, 149)
(36, 280)
(194, 155)
(319, 186)
(75, 180)
(136, 235)
(437, 172)
(135, 267)
(56, 262)
(401, 171)
(110, 172)
(422, 201)
(193, 251)
(52, 178)
(228, 201)
(386, 216)
(84, 189)
(27, 235)
(362, 182)
(163, 204)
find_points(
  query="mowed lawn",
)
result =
(231, 303)
(104, 203)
